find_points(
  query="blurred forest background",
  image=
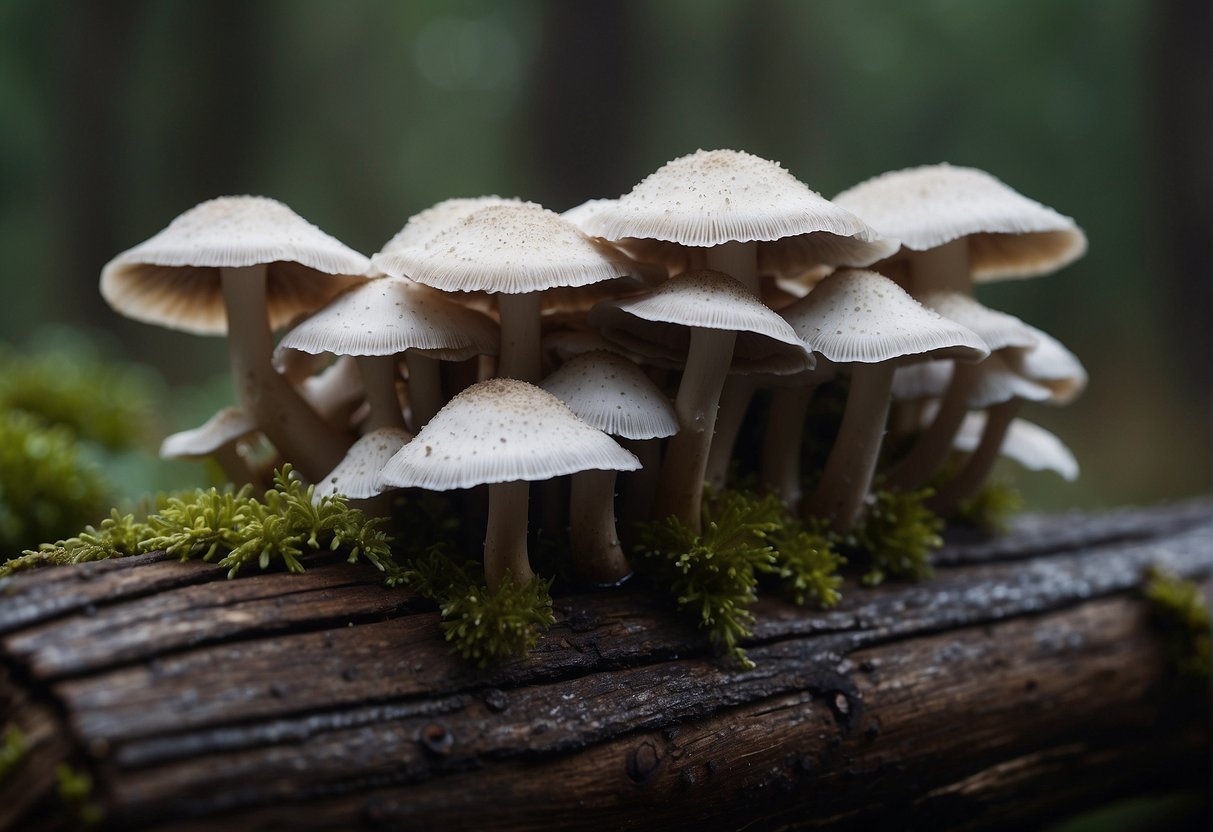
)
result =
(118, 115)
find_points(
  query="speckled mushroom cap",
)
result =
(508, 248)
(422, 226)
(859, 316)
(502, 430)
(228, 425)
(578, 214)
(1027, 443)
(1009, 234)
(711, 197)
(998, 329)
(612, 394)
(1050, 364)
(997, 382)
(172, 279)
(357, 474)
(658, 324)
(389, 315)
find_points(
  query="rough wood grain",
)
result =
(1022, 681)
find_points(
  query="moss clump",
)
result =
(235, 527)
(898, 535)
(713, 577)
(991, 509)
(96, 401)
(76, 792)
(1177, 608)
(47, 487)
(482, 626)
(12, 752)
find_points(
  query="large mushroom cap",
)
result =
(172, 279)
(711, 197)
(508, 248)
(1049, 363)
(612, 394)
(1009, 235)
(658, 324)
(861, 316)
(422, 226)
(502, 430)
(389, 315)
(998, 329)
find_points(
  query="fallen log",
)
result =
(1023, 682)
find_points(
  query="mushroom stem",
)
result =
(932, 446)
(519, 337)
(735, 400)
(597, 555)
(681, 489)
(848, 473)
(738, 260)
(305, 440)
(379, 384)
(944, 267)
(505, 541)
(780, 471)
(970, 478)
(425, 387)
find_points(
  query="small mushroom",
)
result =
(709, 324)
(1027, 443)
(505, 433)
(865, 320)
(612, 394)
(218, 438)
(515, 252)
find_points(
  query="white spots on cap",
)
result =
(611, 393)
(357, 475)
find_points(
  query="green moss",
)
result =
(897, 535)
(13, 752)
(483, 627)
(235, 527)
(713, 578)
(1178, 610)
(47, 487)
(76, 791)
(97, 401)
(991, 509)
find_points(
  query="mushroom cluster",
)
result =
(493, 342)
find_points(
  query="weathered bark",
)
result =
(1021, 682)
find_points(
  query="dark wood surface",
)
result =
(1022, 682)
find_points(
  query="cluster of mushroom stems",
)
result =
(493, 342)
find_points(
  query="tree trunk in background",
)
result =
(1179, 138)
(1022, 683)
(574, 151)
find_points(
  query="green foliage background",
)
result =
(120, 114)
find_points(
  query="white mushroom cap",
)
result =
(227, 426)
(658, 324)
(508, 248)
(1030, 445)
(578, 214)
(1049, 363)
(424, 225)
(711, 197)
(567, 343)
(335, 389)
(502, 430)
(998, 329)
(612, 394)
(357, 475)
(996, 382)
(861, 316)
(172, 279)
(1009, 234)
(922, 380)
(389, 315)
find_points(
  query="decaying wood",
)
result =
(1023, 681)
